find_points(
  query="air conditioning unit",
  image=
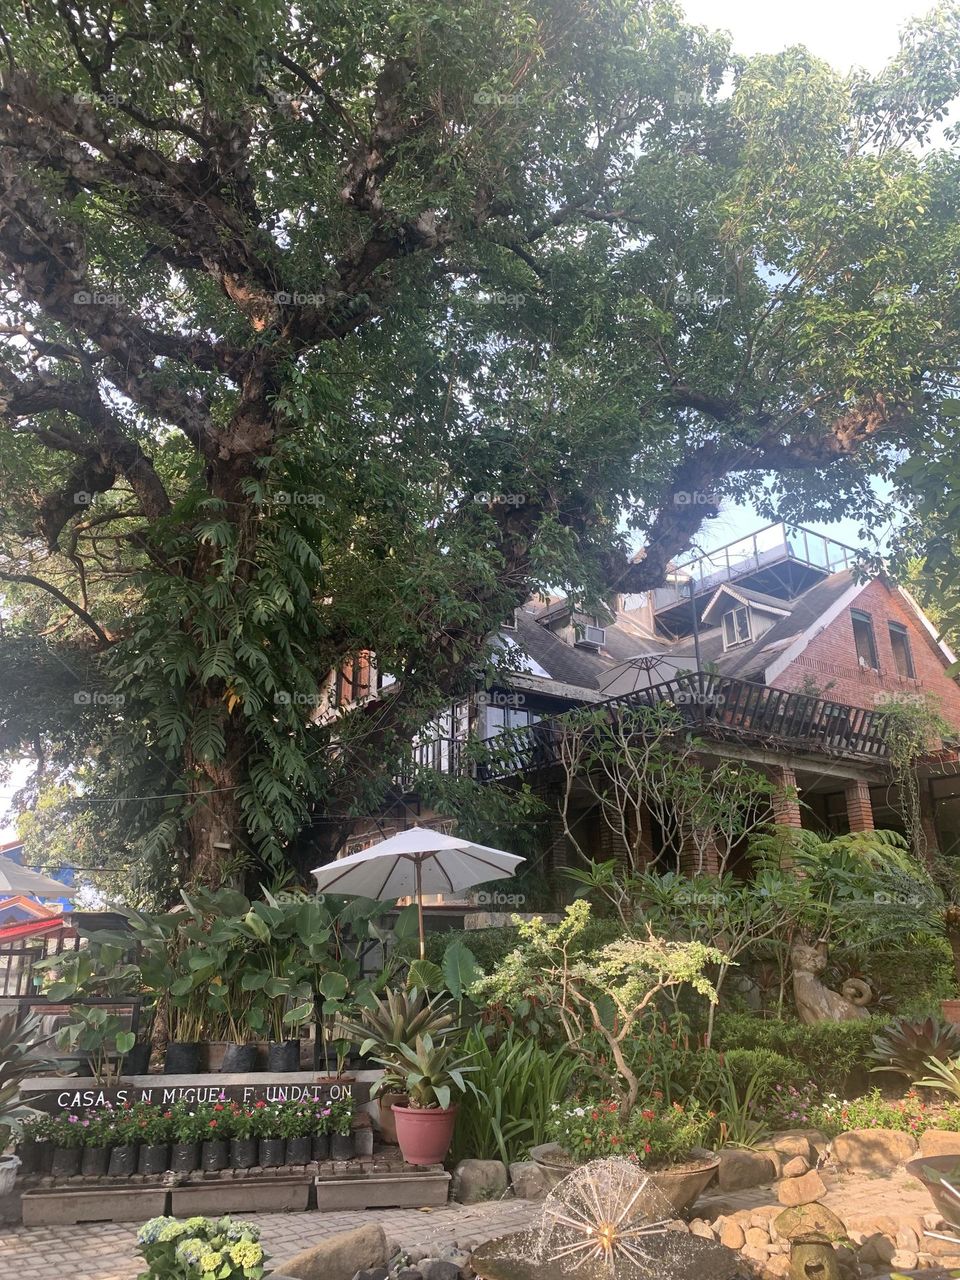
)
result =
(591, 637)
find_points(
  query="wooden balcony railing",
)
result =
(718, 707)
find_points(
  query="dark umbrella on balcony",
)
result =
(415, 862)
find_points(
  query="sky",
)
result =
(847, 33)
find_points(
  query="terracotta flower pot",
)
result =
(931, 1171)
(680, 1186)
(424, 1133)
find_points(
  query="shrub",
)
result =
(873, 1111)
(830, 1052)
(200, 1249)
(653, 1135)
(771, 1070)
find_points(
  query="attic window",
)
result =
(509, 623)
(864, 640)
(736, 628)
(902, 657)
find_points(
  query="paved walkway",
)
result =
(107, 1251)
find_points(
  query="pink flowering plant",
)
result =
(66, 1130)
(655, 1134)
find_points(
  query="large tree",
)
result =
(333, 329)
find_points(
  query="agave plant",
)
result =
(907, 1047)
(430, 1070)
(18, 1045)
(943, 1075)
(399, 1018)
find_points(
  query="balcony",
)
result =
(714, 707)
(781, 560)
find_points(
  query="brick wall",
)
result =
(830, 659)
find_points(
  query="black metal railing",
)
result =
(719, 707)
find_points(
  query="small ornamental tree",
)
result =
(604, 994)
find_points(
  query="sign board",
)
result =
(71, 1094)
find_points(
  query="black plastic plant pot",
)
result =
(123, 1162)
(283, 1055)
(214, 1155)
(321, 1147)
(66, 1162)
(46, 1157)
(239, 1058)
(181, 1058)
(244, 1152)
(185, 1157)
(272, 1152)
(298, 1150)
(31, 1158)
(154, 1158)
(137, 1061)
(363, 1142)
(94, 1162)
(341, 1146)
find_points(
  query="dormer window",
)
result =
(736, 628)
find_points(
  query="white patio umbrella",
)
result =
(17, 879)
(415, 862)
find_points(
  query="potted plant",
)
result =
(431, 1071)
(398, 1017)
(295, 1122)
(187, 1131)
(320, 1142)
(155, 1129)
(244, 1143)
(222, 1248)
(67, 1137)
(101, 1038)
(98, 1138)
(341, 1129)
(273, 1147)
(126, 1148)
(35, 1148)
(215, 1149)
(666, 1140)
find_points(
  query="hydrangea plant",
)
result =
(201, 1249)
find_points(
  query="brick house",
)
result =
(780, 658)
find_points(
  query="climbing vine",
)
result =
(911, 730)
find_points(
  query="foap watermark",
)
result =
(501, 499)
(497, 898)
(498, 698)
(690, 898)
(699, 698)
(97, 698)
(82, 498)
(887, 898)
(293, 498)
(283, 698)
(500, 298)
(694, 498)
(908, 699)
(492, 98)
(95, 298)
(87, 98)
(284, 299)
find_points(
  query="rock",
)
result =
(906, 1258)
(790, 1145)
(907, 1239)
(528, 1180)
(939, 1142)
(373, 1273)
(757, 1238)
(796, 1167)
(678, 1224)
(406, 1273)
(417, 1252)
(740, 1169)
(764, 1215)
(461, 1260)
(731, 1235)
(476, 1180)
(877, 1248)
(808, 1220)
(439, 1269)
(802, 1190)
(776, 1266)
(340, 1256)
(873, 1150)
(700, 1227)
(755, 1253)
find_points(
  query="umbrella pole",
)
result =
(423, 946)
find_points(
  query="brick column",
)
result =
(698, 854)
(859, 809)
(785, 802)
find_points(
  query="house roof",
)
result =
(747, 596)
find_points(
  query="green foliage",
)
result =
(656, 1136)
(19, 1043)
(601, 996)
(942, 1075)
(398, 1017)
(904, 1047)
(739, 1119)
(761, 1070)
(831, 1052)
(507, 1107)
(200, 1249)
(872, 1111)
(430, 1071)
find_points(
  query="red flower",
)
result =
(167, 1115)
(594, 1115)
(647, 1148)
(212, 1124)
(614, 1140)
(260, 1104)
(649, 1115)
(218, 1107)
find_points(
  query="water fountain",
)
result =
(606, 1221)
